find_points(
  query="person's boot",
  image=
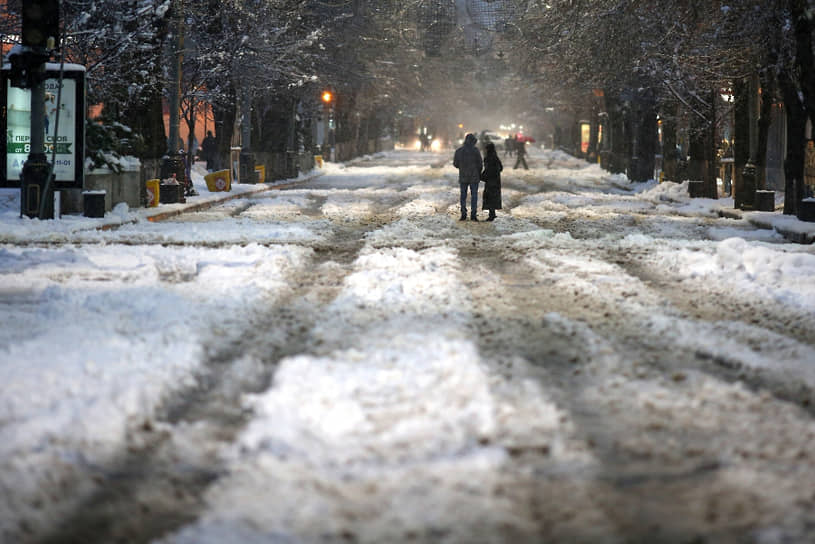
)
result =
(473, 217)
(463, 216)
(491, 216)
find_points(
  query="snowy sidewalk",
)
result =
(789, 226)
(16, 229)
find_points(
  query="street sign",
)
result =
(15, 119)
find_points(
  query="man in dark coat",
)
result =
(209, 150)
(468, 161)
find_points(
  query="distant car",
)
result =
(487, 136)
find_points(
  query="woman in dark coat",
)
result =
(492, 181)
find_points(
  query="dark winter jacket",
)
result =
(468, 161)
(492, 182)
(208, 148)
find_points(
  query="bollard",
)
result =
(93, 203)
(748, 186)
(260, 173)
(247, 168)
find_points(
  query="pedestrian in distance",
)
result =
(509, 145)
(491, 176)
(209, 150)
(520, 149)
(467, 159)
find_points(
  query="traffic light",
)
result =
(40, 22)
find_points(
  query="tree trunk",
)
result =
(277, 127)
(741, 140)
(591, 153)
(711, 175)
(224, 116)
(189, 119)
(796, 131)
(764, 121)
(697, 148)
(618, 159)
(147, 119)
(628, 143)
(669, 154)
(804, 57)
(646, 139)
(805, 61)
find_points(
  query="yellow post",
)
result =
(153, 188)
(260, 172)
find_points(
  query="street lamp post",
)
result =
(246, 158)
(328, 99)
(172, 164)
(40, 28)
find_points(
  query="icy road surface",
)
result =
(344, 361)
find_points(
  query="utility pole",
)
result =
(40, 32)
(247, 159)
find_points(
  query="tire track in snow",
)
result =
(157, 484)
(392, 434)
(638, 405)
(766, 325)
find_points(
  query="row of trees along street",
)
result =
(671, 61)
(646, 75)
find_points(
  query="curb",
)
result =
(161, 216)
(797, 237)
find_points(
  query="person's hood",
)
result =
(470, 139)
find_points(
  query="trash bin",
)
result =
(153, 190)
(765, 201)
(806, 210)
(93, 203)
(170, 192)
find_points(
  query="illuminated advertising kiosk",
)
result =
(15, 118)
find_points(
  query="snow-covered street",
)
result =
(342, 360)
